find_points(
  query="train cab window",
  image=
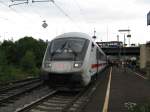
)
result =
(75, 45)
(72, 48)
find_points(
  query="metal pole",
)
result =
(124, 51)
(124, 39)
(124, 31)
(118, 38)
(129, 41)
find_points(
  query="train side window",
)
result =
(93, 45)
(98, 55)
(101, 56)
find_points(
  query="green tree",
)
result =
(28, 61)
(23, 45)
(10, 51)
(3, 67)
(3, 60)
(39, 52)
(17, 59)
(30, 44)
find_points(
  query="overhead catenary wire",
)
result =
(61, 10)
(42, 1)
(82, 13)
(21, 16)
(36, 12)
(18, 0)
(52, 1)
(26, 18)
(18, 4)
(6, 19)
(28, 2)
(11, 9)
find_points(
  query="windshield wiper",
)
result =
(75, 54)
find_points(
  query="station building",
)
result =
(144, 55)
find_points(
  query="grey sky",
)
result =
(106, 16)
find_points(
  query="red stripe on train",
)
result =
(97, 65)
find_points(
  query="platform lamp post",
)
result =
(129, 36)
(118, 38)
(94, 36)
(124, 31)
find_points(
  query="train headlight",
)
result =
(48, 65)
(77, 64)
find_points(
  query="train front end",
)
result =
(63, 62)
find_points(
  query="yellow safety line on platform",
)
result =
(105, 107)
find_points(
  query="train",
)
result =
(72, 60)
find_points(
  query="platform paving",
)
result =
(126, 88)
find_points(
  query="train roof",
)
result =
(74, 34)
(80, 35)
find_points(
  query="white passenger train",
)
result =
(71, 60)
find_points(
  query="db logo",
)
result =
(60, 65)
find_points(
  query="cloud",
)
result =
(75, 15)
(95, 12)
(143, 1)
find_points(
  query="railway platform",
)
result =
(119, 89)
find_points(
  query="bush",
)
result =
(20, 59)
(12, 74)
(28, 61)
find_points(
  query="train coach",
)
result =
(72, 60)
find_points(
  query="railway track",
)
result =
(59, 101)
(55, 101)
(7, 94)
(17, 84)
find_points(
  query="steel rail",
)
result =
(17, 85)
(34, 103)
(6, 97)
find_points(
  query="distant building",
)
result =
(144, 55)
(111, 44)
